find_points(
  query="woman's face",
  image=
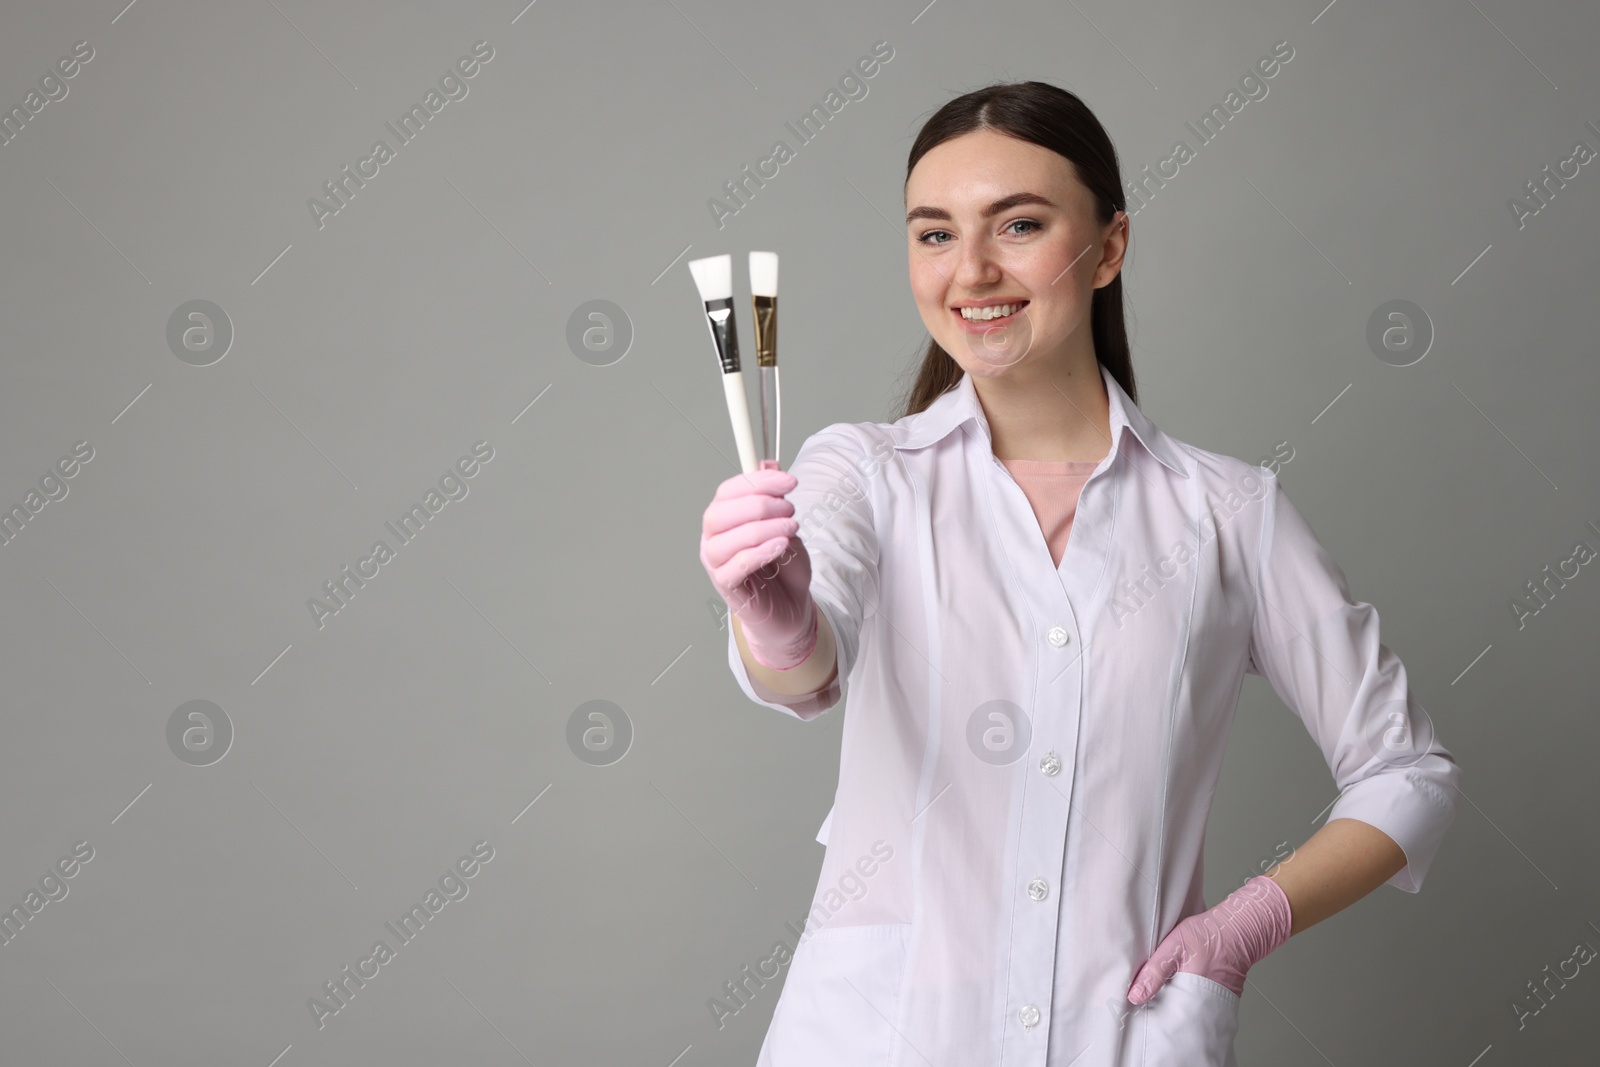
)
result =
(998, 221)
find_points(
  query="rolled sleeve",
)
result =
(832, 503)
(802, 706)
(1321, 652)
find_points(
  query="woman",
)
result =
(1036, 721)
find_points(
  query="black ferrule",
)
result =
(719, 316)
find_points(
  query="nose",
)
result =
(976, 267)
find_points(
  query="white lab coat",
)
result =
(1029, 751)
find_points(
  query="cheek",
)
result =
(1043, 265)
(927, 284)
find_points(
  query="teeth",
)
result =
(998, 311)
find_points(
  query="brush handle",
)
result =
(739, 416)
(769, 412)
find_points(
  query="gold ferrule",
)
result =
(766, 308)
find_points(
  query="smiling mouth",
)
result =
(994, 313)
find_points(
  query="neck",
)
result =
(1048, 410)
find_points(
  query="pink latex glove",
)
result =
(762, 571)
(1221, 943)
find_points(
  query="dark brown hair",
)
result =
(1055, 119)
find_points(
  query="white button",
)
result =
(1038, 889)
(1057, 636)
(1029, 1015)
(1051, 764)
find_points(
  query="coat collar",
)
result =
(955, 406)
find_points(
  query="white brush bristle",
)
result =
(763, 274)
(713, 276)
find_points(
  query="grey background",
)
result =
(368, 355)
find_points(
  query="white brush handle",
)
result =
(739, 416)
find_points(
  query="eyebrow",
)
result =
(1005, 203)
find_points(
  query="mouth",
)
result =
(980, 318)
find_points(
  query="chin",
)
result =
(979, 369)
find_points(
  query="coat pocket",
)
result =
(839, 1003)
(1191, 1022)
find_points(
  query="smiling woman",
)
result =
(1040, 757)
(1030, 263)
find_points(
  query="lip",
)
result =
(988, 324)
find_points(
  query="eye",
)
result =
(923, 239)
(1023, 222)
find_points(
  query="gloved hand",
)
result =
(761, 570)
(1221, 943)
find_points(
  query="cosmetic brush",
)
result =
(713, 276)
(764, 295)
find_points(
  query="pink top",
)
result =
(1052, 488)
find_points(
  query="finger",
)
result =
(1145, 984)
(775, 482)
(733, 575)
(718, 549)
(722, 552)
(758, 602)
(1158, 968)
(723, 515)
(1152, 976)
